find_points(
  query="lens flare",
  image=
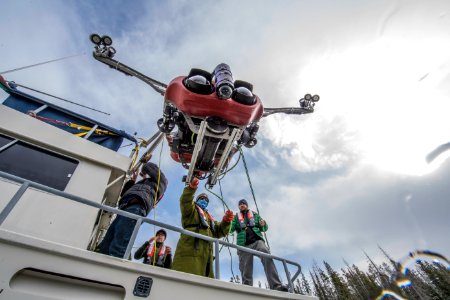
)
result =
(403, 269)
(386, 293)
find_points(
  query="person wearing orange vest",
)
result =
(249, 225)
(156, 253)
(194, 255)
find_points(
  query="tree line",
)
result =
(423, 280)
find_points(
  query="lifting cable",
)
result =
(42, 63)
(155, 201)
(226, 238)
(253, 193)
(56, 97)
(59, 98)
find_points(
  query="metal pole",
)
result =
(288, 276)
(8, 145)
(132, 238)
(115, 181)
(217, 259)
(155, 143)
(9, 207)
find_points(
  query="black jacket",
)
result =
(145, 190)
(142, 253)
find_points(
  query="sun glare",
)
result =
(389, 92)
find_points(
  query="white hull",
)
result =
(73, 273)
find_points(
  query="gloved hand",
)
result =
(146, 158)
(194, 183)
(168, 250)
(228, 217)
(134, 175)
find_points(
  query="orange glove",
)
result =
(194, 183)
(228, 217)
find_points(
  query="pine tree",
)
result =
(340, 287)
(318, 288)
(305, 285)
(325, 282)
(353, 284)
(370, 282)
(377, 274)
(355, 281)
(438, 278)
(297, 287)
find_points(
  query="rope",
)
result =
(226, 238)
(72, 125)
(219, 197)
(253, 193)
(136, 154)
(127, 145)
(62, 99)
(228, 170)
(155, 201)
(42, 63)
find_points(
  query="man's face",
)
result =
(243, 206)
(160, 238)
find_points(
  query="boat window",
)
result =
(37, 165)
(4, 140)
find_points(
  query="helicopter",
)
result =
(207, 116)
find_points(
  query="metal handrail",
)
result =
(27, 184)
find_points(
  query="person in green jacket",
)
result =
(249, 226)
(194, 255)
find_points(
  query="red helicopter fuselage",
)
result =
(197, 105)
(201, 106)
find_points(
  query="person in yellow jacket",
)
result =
(194, 255)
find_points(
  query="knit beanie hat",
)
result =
(243, 201)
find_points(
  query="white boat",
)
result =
(55, 187)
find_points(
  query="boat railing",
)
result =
(25, 184)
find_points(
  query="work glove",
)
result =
(228, 217)
(146, 158)
(194, 183)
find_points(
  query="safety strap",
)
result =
(86, 129)
(151, 253)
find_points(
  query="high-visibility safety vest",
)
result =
(203, 222)
(241, 219)
(151, 252)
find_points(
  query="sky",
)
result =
(348, 178)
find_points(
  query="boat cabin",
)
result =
(60, 179)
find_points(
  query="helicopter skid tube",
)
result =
(198, 146)
(235, 135)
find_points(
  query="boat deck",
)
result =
(38, 269)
